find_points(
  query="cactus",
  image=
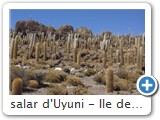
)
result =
(68, 46)
(15, 48)
(117, 56)
(111, 52)
(104, 58)
(37, 52)
(141, 58)
(138, 52)
(78, 58)
(12, 48)
(109, 79)
(75, 49)
(85, 44)
(121, 53)
(53, 47)
(128, 59)
(44, 51)
(75, 55)
(17, 86)
(31, 45)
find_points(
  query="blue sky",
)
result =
(116, 21)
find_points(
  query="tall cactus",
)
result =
(138, 52)
(109, 79)
(12, 48)
(75, 50)
(68, 45)
(44, 51)
(37, 52)
(117, 56)
(104, 58)
(78, 58)
(128, 58)
(121, 53)
(75, 55)
(15, 48)
(141, 58)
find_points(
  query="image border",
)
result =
(8, 6)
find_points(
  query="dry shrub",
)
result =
(80, 91)
(99, 78)
(121, 85)
(78, 74)
(84, 53)
(16, 61)
(89, 72)
(33, 74)
(133, 77)
(33, 84)
(15, 72)
(57, 90)
(123, 74)
(75, 81)
(55, 76)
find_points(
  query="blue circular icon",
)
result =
(147, 85)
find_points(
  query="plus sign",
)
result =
(147, 85)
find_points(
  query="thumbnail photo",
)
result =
(76, 51)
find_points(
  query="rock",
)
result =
(84, 32)
(66, 70)
(32, 26)
(108, 33)
(65, 30)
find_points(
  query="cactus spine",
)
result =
(17, 86)
(109, 79)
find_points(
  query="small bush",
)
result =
(121, 85)
(57, 90)
(80, 91)
(121, 73)
(33, 84)
(79, 74)
(89, 72)
(133, 77)
(55, 76)
(33, 74)
(99, 78)
(75, 81)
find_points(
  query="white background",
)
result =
(155, 65)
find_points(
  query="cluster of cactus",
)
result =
(111, 48)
